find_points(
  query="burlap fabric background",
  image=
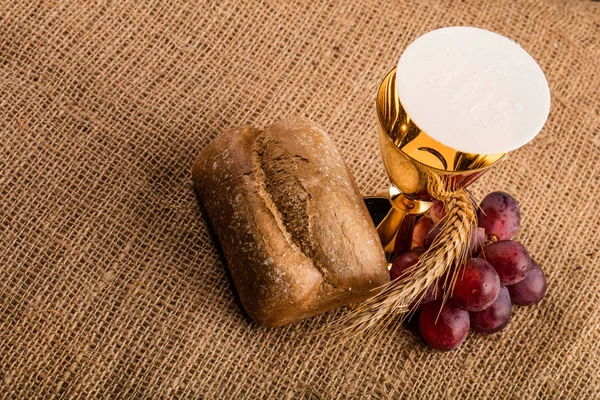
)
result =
(111, 284)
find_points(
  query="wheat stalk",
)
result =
(449, 249)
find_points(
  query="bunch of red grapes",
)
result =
(499, 273)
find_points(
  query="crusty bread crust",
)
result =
(294, 230)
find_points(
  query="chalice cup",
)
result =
(411, 159)
(460, 99)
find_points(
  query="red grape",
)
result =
(452, 325)
(434, 291)
(477, 285)
(530, 290)
(431, 235)
(421, 228)
(495, 317)
(509, 257)
(499, 215)
(402, 263)
(437, 211)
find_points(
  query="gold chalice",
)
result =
(411, 158)
(460, 99)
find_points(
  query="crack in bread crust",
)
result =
(285, 196)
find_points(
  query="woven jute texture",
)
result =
(112, 284)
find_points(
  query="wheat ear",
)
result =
(449, 249)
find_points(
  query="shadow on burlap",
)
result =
(111, 284)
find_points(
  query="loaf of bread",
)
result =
(294, 230)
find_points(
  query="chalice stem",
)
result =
(398, 224)
(395, 232)
(388, 229)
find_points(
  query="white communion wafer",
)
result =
(473, 90)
